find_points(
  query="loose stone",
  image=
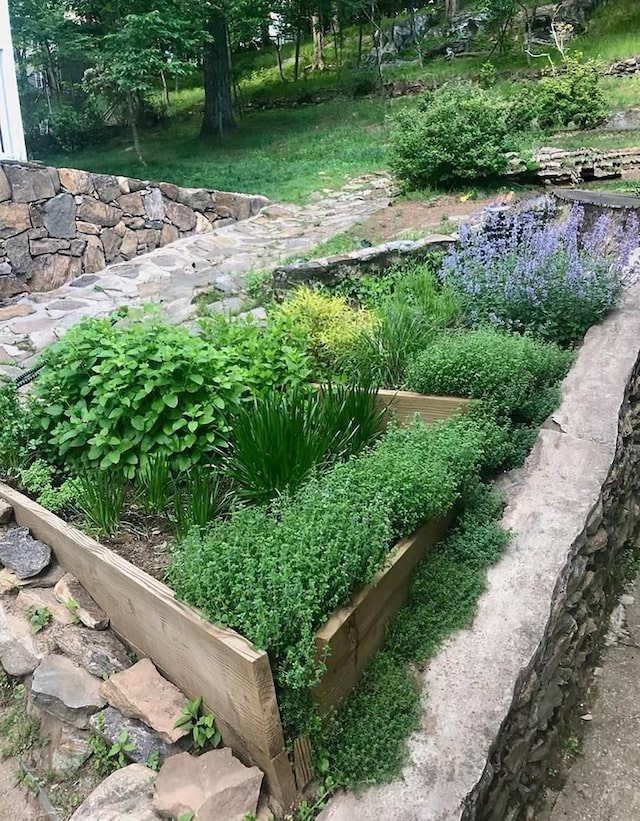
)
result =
(69, 592)
(124, 794)
(22, 554)
(66, 691)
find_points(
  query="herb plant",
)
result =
(275, 574)
(39, 617)
(524, 271)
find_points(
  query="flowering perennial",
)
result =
(530, 270)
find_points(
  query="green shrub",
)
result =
(571, 96)
(41, 481)
(275, 574)
(412, 313)
(113, 396)
(329, 324)
(458, 133)
(515, 375)
(20, 433)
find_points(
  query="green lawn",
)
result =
(282, 153)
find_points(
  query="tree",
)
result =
(218, 107)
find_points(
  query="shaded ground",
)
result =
(15, 801)
(603, 784)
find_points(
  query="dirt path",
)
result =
(15, 801)
(603, 784)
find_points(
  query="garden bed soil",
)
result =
(144, 541)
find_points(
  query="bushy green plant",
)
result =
(275, 574)
(261, 355)
(279, 438)
(42, 481)
(114, 395)
(516, 375)
(330, 325)
(458, 133)
(572, 95)
(20, 434)
(444, 591)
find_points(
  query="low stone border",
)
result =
(332, 270)
(57, 223)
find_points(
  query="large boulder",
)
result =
(66, 691)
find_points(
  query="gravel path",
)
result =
(170, 275)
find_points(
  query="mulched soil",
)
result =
(144, 541)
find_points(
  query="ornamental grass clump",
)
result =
(529, 270)
(276, 573)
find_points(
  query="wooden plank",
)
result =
(234, 680)
(404, 405)
(353, 634)
(303, 762)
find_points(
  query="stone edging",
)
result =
(57, 223)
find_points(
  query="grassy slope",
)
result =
(284, 154)
(287, 153)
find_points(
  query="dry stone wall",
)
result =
(555, 681)
(56, 224)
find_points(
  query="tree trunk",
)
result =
(165, 92)
(218, 108)
(451, 7)
(318, 43)
(279, 55)
(133, 121)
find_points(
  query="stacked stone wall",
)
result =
(555, 682)
(58, 223)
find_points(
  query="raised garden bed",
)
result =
(234, 679)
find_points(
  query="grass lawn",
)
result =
(284, 154)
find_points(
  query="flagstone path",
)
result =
(170, 275)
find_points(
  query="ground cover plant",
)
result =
(276, 572)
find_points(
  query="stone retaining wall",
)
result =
(56, 224)
(555, 681)
(332, 270)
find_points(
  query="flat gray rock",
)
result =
(66, 691)
(25, 556)
(19, 655)
(124, 794)
(100, 653)
(110, 722)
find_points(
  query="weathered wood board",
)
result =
(405, 405)
(234, 680)
(353, 634)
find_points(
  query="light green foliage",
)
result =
(153, 762)
(360, 742)
(115, 395)
(516, 375)
(40, 478)
(571, 94)
(275, 574)
(458, 133)
(278, 439)
(329, 324)
(39, 617)
(201, 726)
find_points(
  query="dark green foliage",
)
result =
(364, 740)
(200, 496)
(571, 95)
(459, 133)
(278, 439)
(411, 309)
(101, 499)
(276, 574)
(515, 374)
(153, 480)
(20, 434)
(113, 395)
